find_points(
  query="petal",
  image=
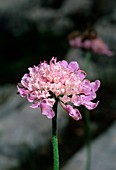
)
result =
(53, 61)
(30, 99)
(87, 98)
(22, 91)
(76, 100)
(73, 66)
(33, 70)
(65, 99)
(73, 112)
(81, 74)
(35, 105)
(63, 63)
(85, 87)
(95, 85)
(91, 105)
(25, 80)
(47, 110)
(49, 101)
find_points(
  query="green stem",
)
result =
(87, 120)
(55, 139)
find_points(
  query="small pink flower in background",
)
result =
(46, 83)
(89, 41)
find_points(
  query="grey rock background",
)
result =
(103, 153)
(22, 128)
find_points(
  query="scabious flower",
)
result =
(89, 41)
(46, 83)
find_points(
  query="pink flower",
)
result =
(46, 83)
(88, 40)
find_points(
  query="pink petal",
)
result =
(23, 92)
(44, 65)
(29, 98)
(49, 101)
(73, 112)
(32, 97)
(35, 105)
(85, 87)
(47, 110)
(76, 100)
(73, 66)
(63, 63)
(95, 85)
(53, 61)
(81, 74)
(91, 105)
(85, 99)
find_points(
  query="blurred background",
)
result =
(34, 31)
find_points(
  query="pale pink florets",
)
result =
(58, 80)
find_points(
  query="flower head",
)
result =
(89, 41)
(46, 83)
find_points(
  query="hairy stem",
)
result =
(55, 138)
